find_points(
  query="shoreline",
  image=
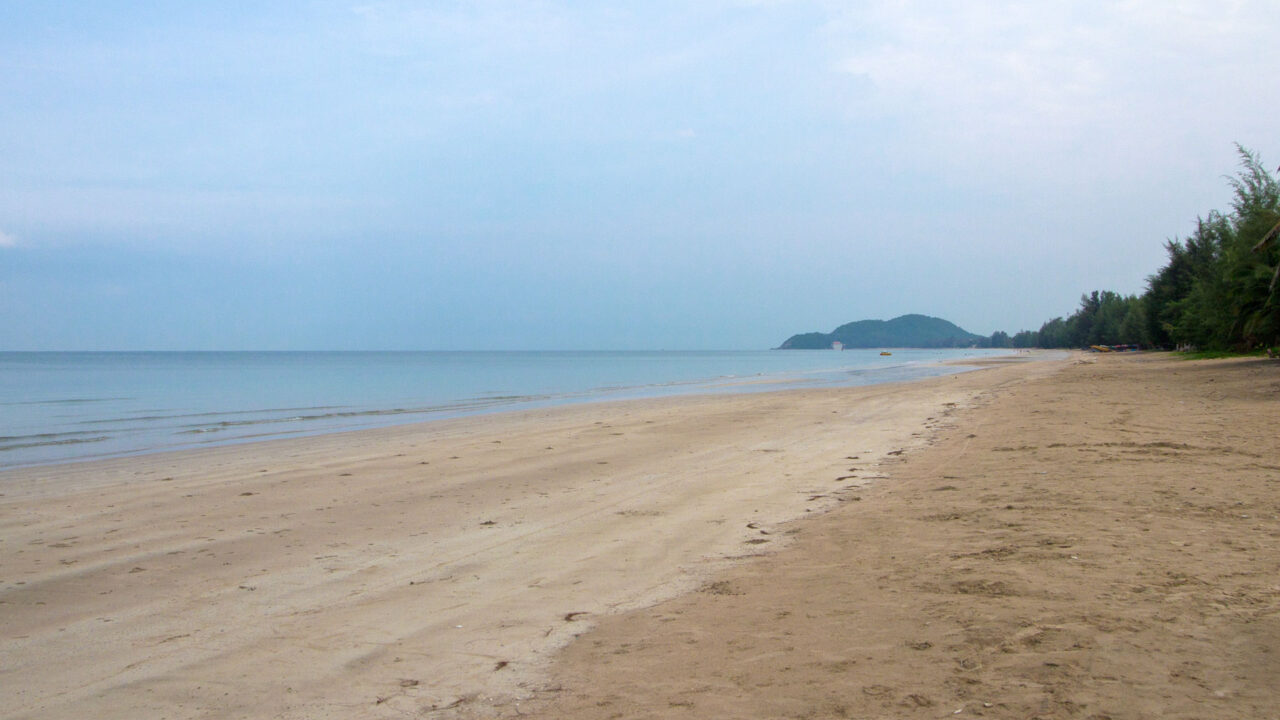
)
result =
(173, 423)
(413, 566)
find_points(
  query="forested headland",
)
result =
(914, 331)
(1219, 289)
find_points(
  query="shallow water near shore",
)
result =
(68, 406)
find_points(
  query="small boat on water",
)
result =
(885, 352)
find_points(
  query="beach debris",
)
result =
(721, 587)
(499, 665)
(487, 523)
(408, 683)
(573, 616)
(639, 513)
(876, 690)
(456, 703)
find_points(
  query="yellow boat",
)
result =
(886, 352)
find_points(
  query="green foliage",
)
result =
(1104, 318)
(1217, 292)
(915, 331)
(1216, 354)
(1026, 339)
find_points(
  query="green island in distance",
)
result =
(907, 331)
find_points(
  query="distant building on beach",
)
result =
(837, 345)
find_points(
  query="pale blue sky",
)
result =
(598, 175)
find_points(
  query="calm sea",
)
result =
(58, 407)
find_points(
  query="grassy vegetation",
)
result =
(1217, 354)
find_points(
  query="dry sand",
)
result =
(1043, 539)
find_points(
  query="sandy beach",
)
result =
(1102, 542)
(1089, 537)
(393, 571)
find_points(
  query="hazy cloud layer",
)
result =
(1075, 82)
(569, 175)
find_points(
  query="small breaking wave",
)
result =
(458, 407)
(4, 447)
(158, 416)
(66, 401)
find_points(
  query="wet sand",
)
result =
(1103, 542)
(422, 570)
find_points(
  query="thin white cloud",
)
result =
(7, 240)
(1063, 81)
(482, 29)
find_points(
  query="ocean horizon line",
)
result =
(454, 350)
(493, 350)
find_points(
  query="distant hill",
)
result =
(908, 331)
